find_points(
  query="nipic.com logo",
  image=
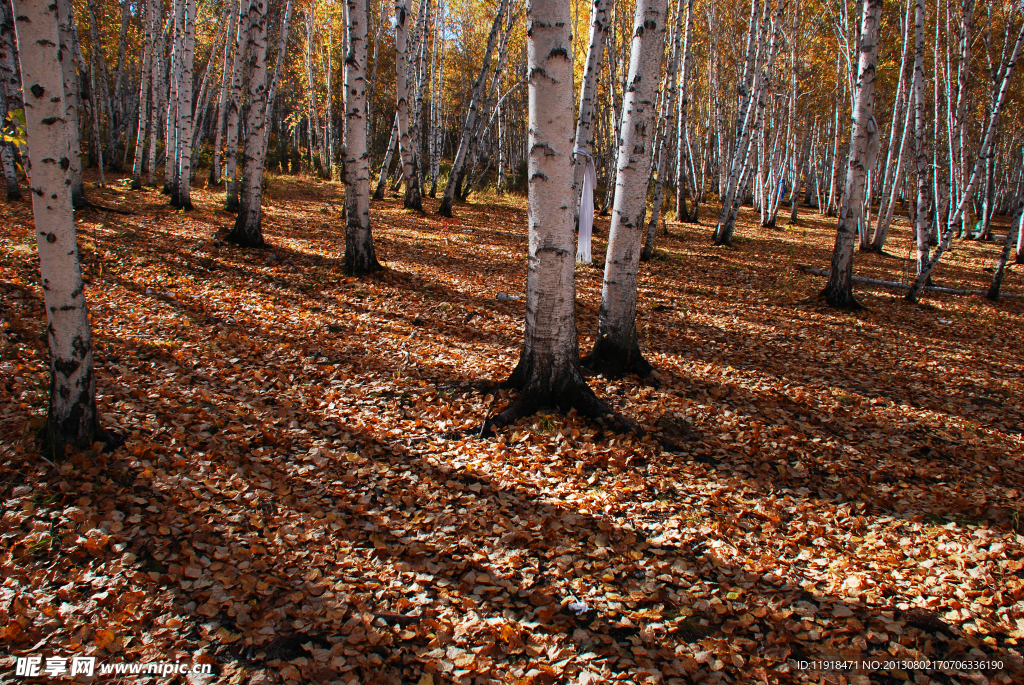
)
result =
(54, 666)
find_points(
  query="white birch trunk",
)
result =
(72, 99)
(234, 112)
(10, 88)
(462, 152)
(682, 130)
(409, 173)
(72, 417)
(864, 141)
(991, 126)
(156, 94)
(382, 180)
(171, 147)
(248, 230)
(359, 253)
(147, 58)
(549, 371)
(616, 350)
(588, 93)
(183, 190)
(230, 44)
(1011, 232)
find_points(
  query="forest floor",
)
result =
(302, 495)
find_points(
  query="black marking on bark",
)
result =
(559, 52)
(37, 90)
(66, 366)
(51, 238)
(548, 151)
(65, 163)
(49, 121)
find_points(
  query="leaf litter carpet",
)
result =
(302, 495)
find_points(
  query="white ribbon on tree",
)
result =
(586, 208)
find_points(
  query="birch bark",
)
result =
(72, 99)
(73, 419)
(10, 89)
(182, 197)
(409, 161)
(548, 372)
(230, 47)
(682, 129)
(248, 229)
(140, 139)
(359, 253)
(616, 350)
(991, 126)
(462, 152)
(382, 181)
(863, 153)
(1004, 255)
(588, 92)
(235, 111)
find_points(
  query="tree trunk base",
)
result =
(841, 301)
(613, 361)
(13, 195)
(570, 393)
(360, 262)
(231, 205)
(413, 200)
(245, 239)
(445, 208)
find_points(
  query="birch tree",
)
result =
(863, 152)
(10, 99)
(588, 91)
(409, 161)
(472, 116)
(72, 417)
(182, 197)
(230, 49)
(548, 372)
(682, 128)
(1012, 232)
(359, 252)
(666, 120)
(72, 99)
(235, 110)
(991, 126)
(248, 229)
(616, 350)
(147, 58)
